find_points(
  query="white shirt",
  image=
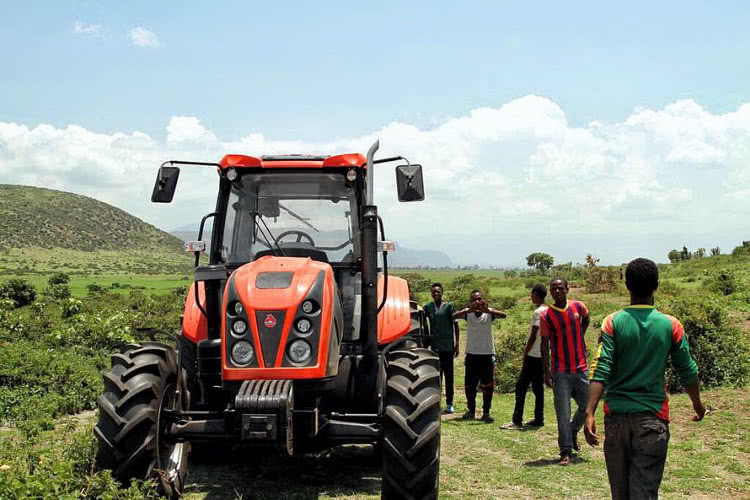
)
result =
(536, 319)
(479, 334)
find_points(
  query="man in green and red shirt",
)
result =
(629, 371)
(563, 327)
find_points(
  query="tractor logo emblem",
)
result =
(270, 321)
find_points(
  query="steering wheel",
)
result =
(300, 235)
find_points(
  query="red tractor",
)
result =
(293, 337)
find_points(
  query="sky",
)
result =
(621, 131)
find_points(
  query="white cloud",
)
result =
(141, 37)
(92, 30)
(496, 172)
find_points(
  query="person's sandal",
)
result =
(564, 460)
(469, 415)
(487, 419)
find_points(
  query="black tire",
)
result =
(411, 425)
(415, 337)
(142, 380)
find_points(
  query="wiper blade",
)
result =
(298, 217)
(256, 218)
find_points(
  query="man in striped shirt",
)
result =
(629, 371)
(563, 328)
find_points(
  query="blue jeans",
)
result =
(576, 386)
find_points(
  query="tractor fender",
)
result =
(394, 320)
(194, 323)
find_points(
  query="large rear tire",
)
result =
(411, 425)
(132, 441)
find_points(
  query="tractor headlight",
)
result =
(239, 327)
(308, 306)
(300, 352)
(243, 352)
(303, 325)
(237, 308)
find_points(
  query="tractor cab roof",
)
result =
(293, 161)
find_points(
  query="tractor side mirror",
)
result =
(409, 183)
(166, 183)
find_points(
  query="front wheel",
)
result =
(411, 425)
(132, 440)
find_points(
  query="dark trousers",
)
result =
(635, 449)
(480, 371)
(531, 373)
(446, 370)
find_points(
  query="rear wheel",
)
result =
(411, 425)
(132, 439)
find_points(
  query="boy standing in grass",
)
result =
(532, 371)
(563, 328)
(443, 332)
(480, 354)
(629, 371)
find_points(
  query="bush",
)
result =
(95, 290)
(725, 282)
(417, 282)
(57, 292)
(19, 291)
(71, 307)
(509, 359)
(718, 349)
(59, 279)
(601, 279)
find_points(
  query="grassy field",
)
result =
(710, 459)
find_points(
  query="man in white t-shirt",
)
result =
(532, 371)
(480, 354)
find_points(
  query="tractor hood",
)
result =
(266, 330)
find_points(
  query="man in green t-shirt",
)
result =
(443, 332)
(629, 371)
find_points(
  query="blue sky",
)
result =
(340, 73)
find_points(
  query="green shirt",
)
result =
(632, 357)
(440, 325)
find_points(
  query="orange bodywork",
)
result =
(194, 324)
(394, 320)
(287, 300)
(243, 161)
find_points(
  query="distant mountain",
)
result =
(410, 257)
(32, 217)
(402, 257)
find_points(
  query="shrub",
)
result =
(718, 349)
(417, 282)
(506, 302)
(19, 291)
(601, 279)
(71, 307)
(509, 358)
(59, 279)
(725, 282)
(57, 292)
(94, 289)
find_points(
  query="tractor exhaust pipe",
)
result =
(371, 172)
(369, 228)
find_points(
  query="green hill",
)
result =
(32, 217)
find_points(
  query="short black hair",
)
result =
(565, 282)
(439, 285)
(540, 291)
(642, 276)
(476, 290)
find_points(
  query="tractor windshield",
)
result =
(294, 214)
